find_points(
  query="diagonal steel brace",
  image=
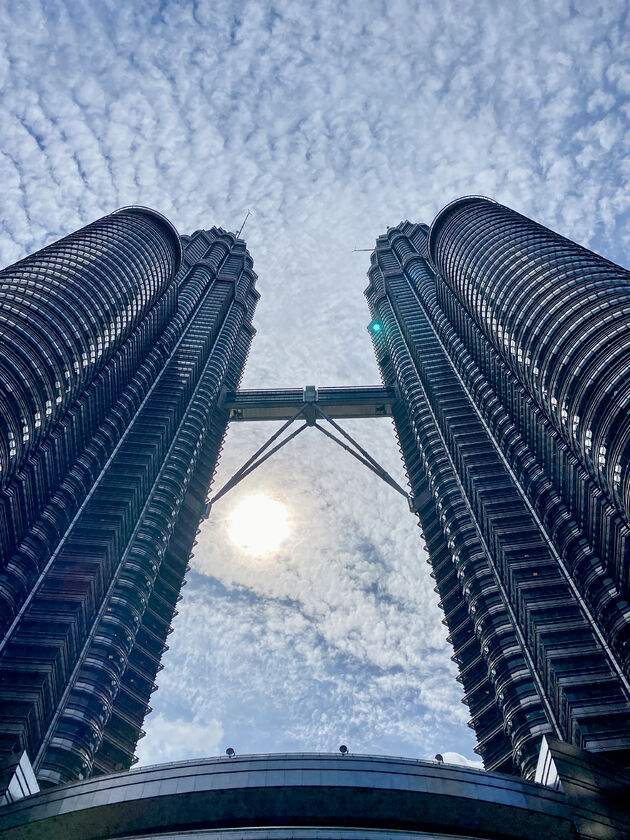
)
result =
(251, 463)
(370, 464)
(310, 417)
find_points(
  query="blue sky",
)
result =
(331, 121)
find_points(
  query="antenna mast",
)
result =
(238, 235)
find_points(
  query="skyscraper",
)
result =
(503, 349)
(510, 347)
(116, 344)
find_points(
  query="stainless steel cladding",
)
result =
(510, 346)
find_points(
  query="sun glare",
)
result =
(259, 525)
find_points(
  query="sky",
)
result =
(330, 121)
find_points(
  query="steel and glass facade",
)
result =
(116, 345)
(510, 347)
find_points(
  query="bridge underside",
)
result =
(283, 403)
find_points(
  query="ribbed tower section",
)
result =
(76, 320)
(64, 312)
(539, 649)
(559, 316)
(102, 564)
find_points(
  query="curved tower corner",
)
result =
(559, 315)
(66, 310)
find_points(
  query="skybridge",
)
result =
(310, 407)
(284, 403)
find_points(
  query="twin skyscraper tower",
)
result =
(504, 351)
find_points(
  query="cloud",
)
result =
(330, 121)
(335, 639)
(456, 758)
(178, 739)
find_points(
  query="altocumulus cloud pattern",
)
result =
(331, 121)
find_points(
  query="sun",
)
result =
(259, 525)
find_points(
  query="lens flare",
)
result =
(259, 525)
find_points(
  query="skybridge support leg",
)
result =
(311, 412)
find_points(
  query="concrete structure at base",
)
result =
(326, 796)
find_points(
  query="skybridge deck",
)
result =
(338, 403)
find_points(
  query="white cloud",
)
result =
(339, 635)
(178, 739)
(456, 758)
